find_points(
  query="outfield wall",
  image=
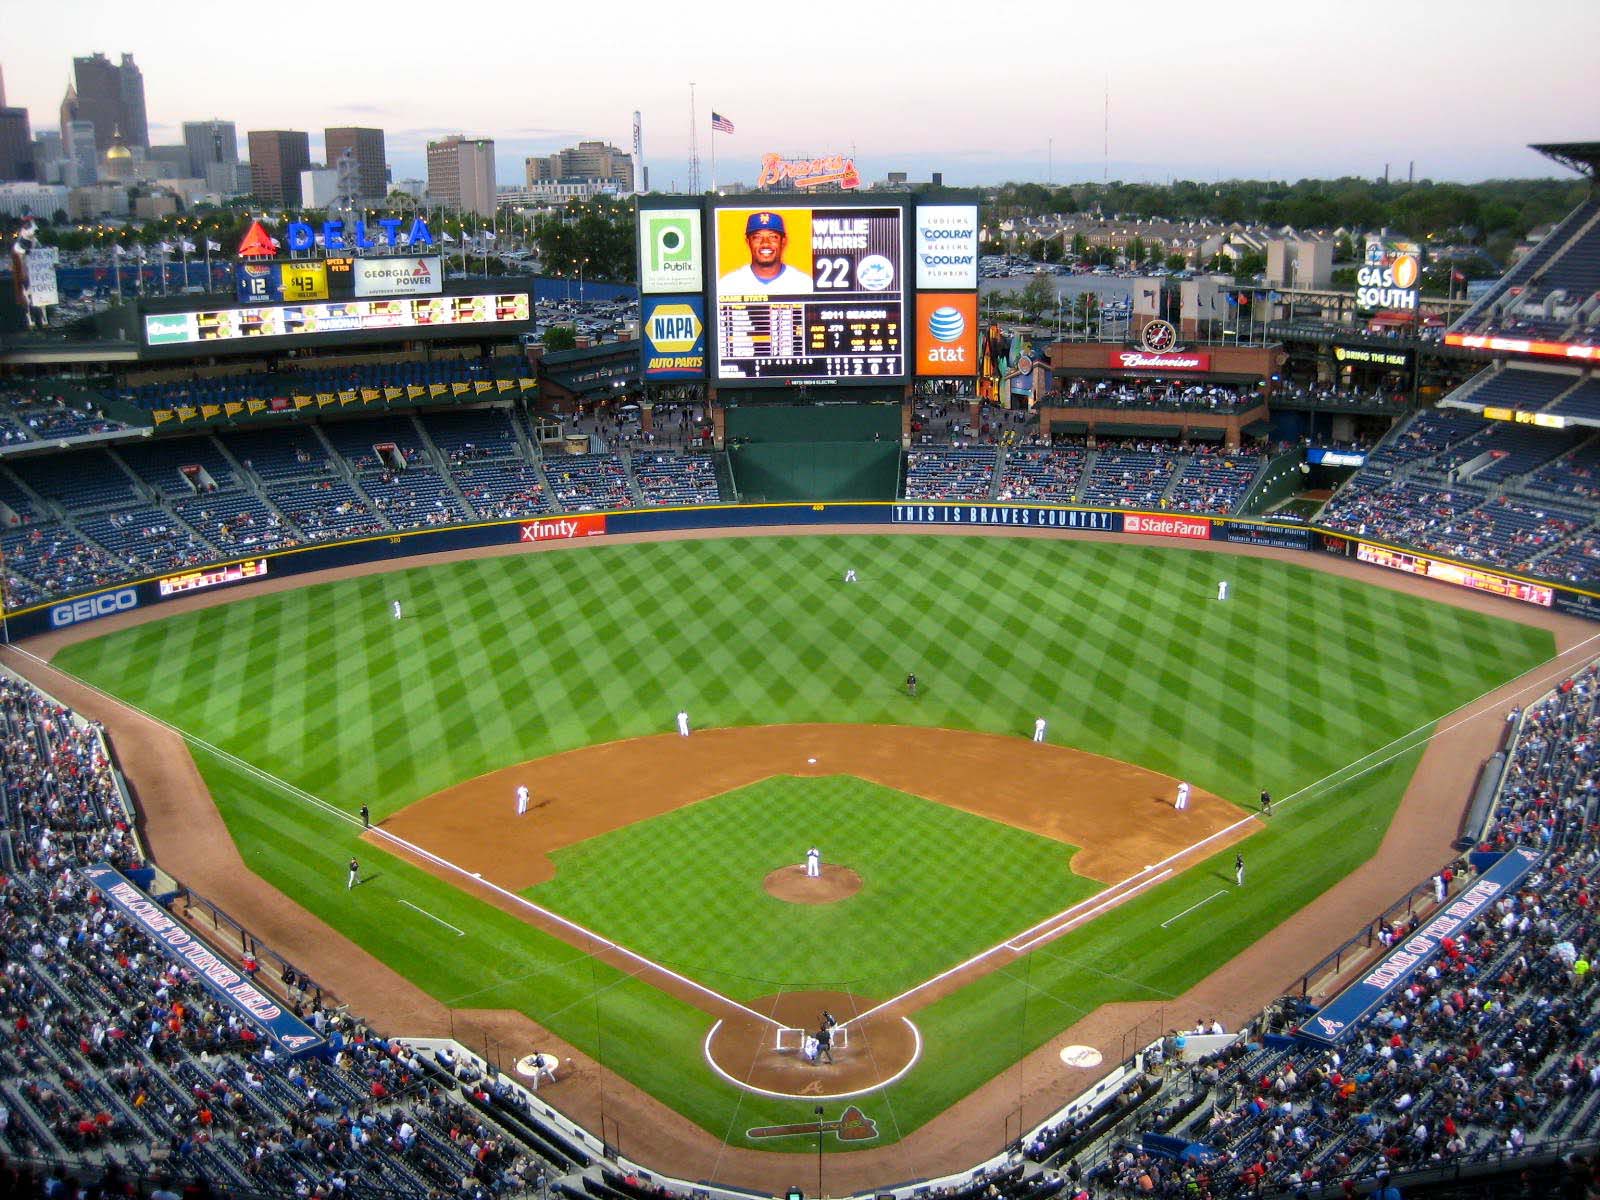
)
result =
(149, 592)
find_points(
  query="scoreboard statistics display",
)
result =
(416, 314)
(810, 293)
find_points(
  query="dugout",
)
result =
(845, 450)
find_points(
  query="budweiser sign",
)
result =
(1180, 527)
(1138, 360)
(776, 171)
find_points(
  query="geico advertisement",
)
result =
(674, 341)
(947, 245)
(92, 608)
(669, 250)
(947, 333)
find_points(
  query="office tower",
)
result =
(277, 156)
(367, 150)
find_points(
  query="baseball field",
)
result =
(564, 670)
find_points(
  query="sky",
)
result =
(984, 93)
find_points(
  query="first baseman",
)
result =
(522, 800)
(1182, 802)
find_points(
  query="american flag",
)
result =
(721, 123)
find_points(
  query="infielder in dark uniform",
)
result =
(1266, 803)
(911, 685)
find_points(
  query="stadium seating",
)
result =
(1492, 1049)
(588, 482)
(1047, 476)
(237, 389)
(503, 490)
(1521, 303)
(665, 479)
(82, 481)
(1214, 482)
(1135, 475)
(957, 474)
(112, 1055)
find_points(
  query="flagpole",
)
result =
(713, 161)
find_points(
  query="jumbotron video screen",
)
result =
(809, 293)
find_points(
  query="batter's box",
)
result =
(792, 1041)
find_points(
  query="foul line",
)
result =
(431, 917)
(444, 863)
(1106, 901)
(1192, 907)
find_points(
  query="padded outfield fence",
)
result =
(153, 590)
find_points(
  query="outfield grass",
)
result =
(938, 885)
(505, 659)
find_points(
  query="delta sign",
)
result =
(674, 338)
(301, 236)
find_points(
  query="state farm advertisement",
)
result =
(561, 529)
(1138, 360)
(1179, 527)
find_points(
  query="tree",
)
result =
(1035, 298)
(1176, 262)
(560, 337)
(1080, 246)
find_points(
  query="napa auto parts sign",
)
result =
(1138, 360)
(1164, 526)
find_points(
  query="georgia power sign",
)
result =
(946, 246)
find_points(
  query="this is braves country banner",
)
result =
(287, 1031)
(1358, 1001)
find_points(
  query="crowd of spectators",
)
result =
(1491, 1048)
(111, 1053)
(1160, 394)
(1332, 395)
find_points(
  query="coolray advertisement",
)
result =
(350, 316)
(810, 293)
(674, 341)
(945, 245)
(398, 275)
(947, 334)
(670, 258)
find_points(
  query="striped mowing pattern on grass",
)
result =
(505, 659)
(938, 885)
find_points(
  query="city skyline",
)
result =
(1194, 100)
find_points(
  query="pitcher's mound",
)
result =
(794, 885)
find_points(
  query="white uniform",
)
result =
(522, 800)
(813, 862)
(1182, 801)
(397, 610)
(745, 282)
(683, 724)
(1038, 729)
(1222, 590)
(850, 575)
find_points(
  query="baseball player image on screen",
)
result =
(766, 274)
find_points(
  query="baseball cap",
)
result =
(764, 220)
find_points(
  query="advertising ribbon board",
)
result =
(287, 1031)
(1350, 1007)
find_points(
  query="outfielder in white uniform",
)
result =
(522, 800)
(1038, 729)
(850, 575)
(1182, 802)
(1222, 590)
(683, 724)
(813, 863)
(397, 610)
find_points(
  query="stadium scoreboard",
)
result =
(795, 289)
(835, 306)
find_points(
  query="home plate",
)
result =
(1081, 1056)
